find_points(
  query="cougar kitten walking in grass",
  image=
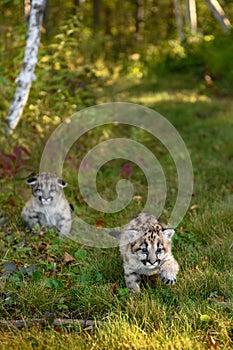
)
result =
(145, 247)
(48, 206)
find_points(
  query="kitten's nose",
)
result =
(153, 262)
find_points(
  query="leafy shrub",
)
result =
(11, 164)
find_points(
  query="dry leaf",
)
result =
(212, 342)
(99, 223)
(205, 260)
(68, 258)
(193, 207)
(68, 283)
(137, 198)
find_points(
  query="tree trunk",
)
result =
(191, 15)
(107, 16)
(219, 14)
(96, 15)
(26, 75)
(179, 19)
(46, 20)
(139, 13)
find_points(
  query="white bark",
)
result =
(26, 75)
(179, 19)
(191, 15)
(219, 14)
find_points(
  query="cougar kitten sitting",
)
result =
(145, 246)
(48, 206)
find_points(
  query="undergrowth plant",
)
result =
(43, 274)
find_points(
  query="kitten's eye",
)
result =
(37, 190)
(144, 250)
(159, 250)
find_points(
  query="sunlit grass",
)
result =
(152, 98)
(196, 313)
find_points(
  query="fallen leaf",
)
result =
(68, 283)
(99, 223)
(193, 207)
(182, 229)
(68, 258)
(11, 201)
(137, 199)
(221, 298)
(126, 170)
(205, 260)
(212, 342)
(58, 329)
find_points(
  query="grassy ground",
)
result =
(195, 313)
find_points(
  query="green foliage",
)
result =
(207, 58)
(190, 84)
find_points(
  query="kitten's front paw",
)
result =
(167, 278)
(133, 287)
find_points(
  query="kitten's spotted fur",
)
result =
(145, 247)
(48, 206)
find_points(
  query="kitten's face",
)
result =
(151, 247)
(46, 187)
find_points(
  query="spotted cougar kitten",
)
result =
(48, 206)
(145, 247)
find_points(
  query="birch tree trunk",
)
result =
(26, 75)
(219, 14)
(179, 19)
(191, 15)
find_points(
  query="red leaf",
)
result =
(127, 170)
(5, 164)
(99, 223)
(68, 283)
(17, 151)
(24, 149)
(8, 156)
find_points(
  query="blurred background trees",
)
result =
(87, 44)
(170, 55)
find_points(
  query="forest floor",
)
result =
(39, 278)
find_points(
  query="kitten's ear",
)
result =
(132, 235)
(31, 181)
(115, 234)
(61, 183)
(168, 233)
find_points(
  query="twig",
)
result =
(54, 270)
(43, 322)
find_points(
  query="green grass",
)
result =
(195, 313)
